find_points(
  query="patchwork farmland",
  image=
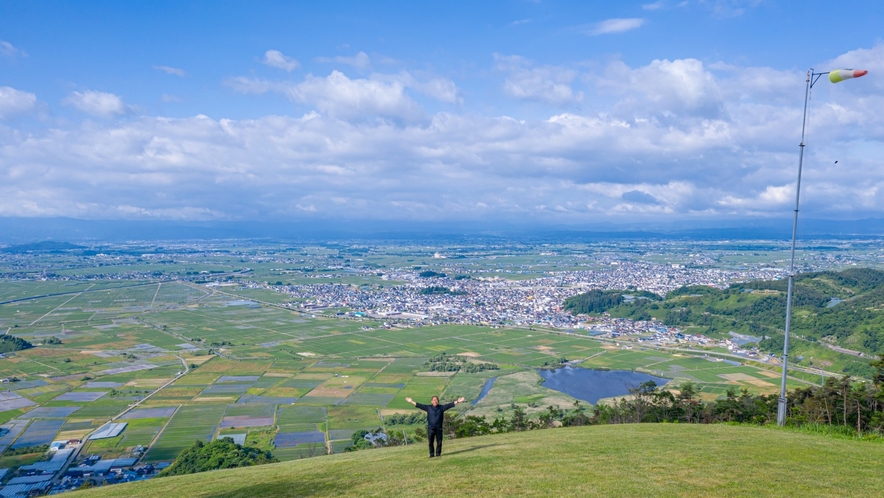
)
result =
(178, 362)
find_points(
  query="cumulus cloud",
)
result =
(275, 58)
(101, 104)
(677, 86)
(344, 97)
(766, 83)
(451, 166)
(340, 96)
(7, 50)
(13, 102)
(673, 138)
(171, 70)
(870, 59)
(441, 89)
(525, 81)
(618, 25)
(773, 196)
(359, 61)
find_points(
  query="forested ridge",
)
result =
(758, 308)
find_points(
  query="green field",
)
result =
(261, 367)
(340, 376)
(190, 423)
(616, 460)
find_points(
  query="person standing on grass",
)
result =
(435, 415)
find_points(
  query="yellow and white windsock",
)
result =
(846, 74)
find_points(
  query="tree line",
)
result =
(11, 343)
(444, 362)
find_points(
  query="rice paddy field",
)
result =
(206, 362)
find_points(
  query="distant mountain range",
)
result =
(44, 246)
(27, 230)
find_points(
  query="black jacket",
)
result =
(434, 413)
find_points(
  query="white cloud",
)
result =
(771, 196)
(870, 59)
(171, 70)
(678, 86)
(441, 89)
(669, 138)
(13, 102)
(247, 85)
(275, 58)
(752, 83)
(340, 96)
(344, 97)
(359, 61)
(609, 26)
(101, 104)
(525, 81)
(462, 166)
(7, 50)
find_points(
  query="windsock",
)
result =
(845, 74)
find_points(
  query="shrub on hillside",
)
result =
(219, 454)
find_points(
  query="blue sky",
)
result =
(533, 111)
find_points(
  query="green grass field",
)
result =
(616, 460)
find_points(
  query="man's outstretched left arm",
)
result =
(451, 405)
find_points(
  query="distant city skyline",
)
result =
(532, 112)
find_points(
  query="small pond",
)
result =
(593, 385)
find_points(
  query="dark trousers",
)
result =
(435, 433)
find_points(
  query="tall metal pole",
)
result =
(783, 403)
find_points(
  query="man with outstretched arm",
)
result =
(435, 415)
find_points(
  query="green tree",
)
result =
(219, 454)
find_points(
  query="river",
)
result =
(485, 389)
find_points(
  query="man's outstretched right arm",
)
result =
(416, 404)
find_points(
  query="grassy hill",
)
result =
(613, 460)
